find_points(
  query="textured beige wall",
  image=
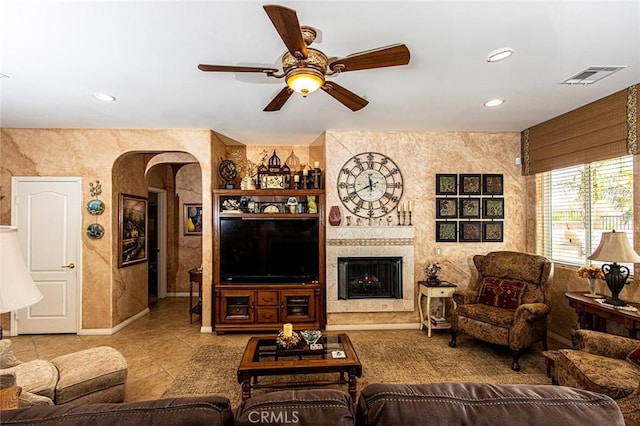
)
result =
(91, 154)
(420, 155)
(188, 191)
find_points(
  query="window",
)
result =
(576, 204)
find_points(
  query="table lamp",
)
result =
(614, 247)
(17, 289)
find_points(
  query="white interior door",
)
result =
(47, 212)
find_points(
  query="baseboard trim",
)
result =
(560, 338)
(177, 294)
(109, 331)
(347, 327)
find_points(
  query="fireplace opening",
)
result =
(369, 277)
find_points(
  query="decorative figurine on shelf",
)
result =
(228, 172)
(592, 273)
(432, 269)
(312, 207)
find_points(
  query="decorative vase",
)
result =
(592, 286)
(334, 216)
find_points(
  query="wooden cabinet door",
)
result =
(236, 306)
(298, 306)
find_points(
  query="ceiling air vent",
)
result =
(592, 74)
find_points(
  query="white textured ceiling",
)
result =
(57, 53)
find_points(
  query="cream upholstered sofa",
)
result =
(88, 376)
(508, 304)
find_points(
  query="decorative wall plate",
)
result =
(95, 207)
(95, 231)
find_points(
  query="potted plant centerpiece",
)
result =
(592, 273)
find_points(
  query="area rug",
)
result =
(390, 356)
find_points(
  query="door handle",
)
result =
(70, 266)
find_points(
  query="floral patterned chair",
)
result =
(606, 364)
(508, 304)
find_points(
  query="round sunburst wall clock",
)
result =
(370, 185)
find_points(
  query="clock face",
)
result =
(370, 185)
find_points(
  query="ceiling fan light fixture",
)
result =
(305, 80)
(499, 54)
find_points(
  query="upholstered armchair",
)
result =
(507, 305)
(606, 364)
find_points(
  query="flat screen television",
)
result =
(254, 250)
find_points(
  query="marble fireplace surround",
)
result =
(370, 241)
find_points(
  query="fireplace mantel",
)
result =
(370, 241)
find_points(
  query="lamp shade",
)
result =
(305, 80)
(614, 247)
(17, 289)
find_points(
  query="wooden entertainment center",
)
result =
(265, 306)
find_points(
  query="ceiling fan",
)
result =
(305, 69)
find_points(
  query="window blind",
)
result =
(578, 203)
(603, 129)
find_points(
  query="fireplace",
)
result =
(354, 242)
(369, 277)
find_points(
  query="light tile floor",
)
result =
(156, 346)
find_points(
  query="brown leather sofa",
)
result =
(378, 405)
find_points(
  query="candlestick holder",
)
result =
(304, 182)
(410, 218)
(398, 217)
(316, 178)
(404, 217)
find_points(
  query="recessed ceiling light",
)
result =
(494, 102)
(104, 97)
(499, 54)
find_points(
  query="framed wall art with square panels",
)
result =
(492, 184)
(493, 208)
(470, 232)
(492, 231)
(446, 208)
(470, 184)
(446, 232)
(446, 184)
(469, 208)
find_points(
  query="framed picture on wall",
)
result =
(446, 184)
(132, 230)
(446, 232)
(446, 208)
(493, 208)
(470, 232)
(492, 231)
(470, 184)
(470, 208)
(192, 219)
(492, 185)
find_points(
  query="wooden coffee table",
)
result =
(263, 357)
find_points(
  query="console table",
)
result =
(593, 315)
(195, 278)
(443, 289)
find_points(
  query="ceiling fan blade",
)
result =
(231, 68)
(344, 96)
(285, 21)
(388, 56)
(279, 100)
